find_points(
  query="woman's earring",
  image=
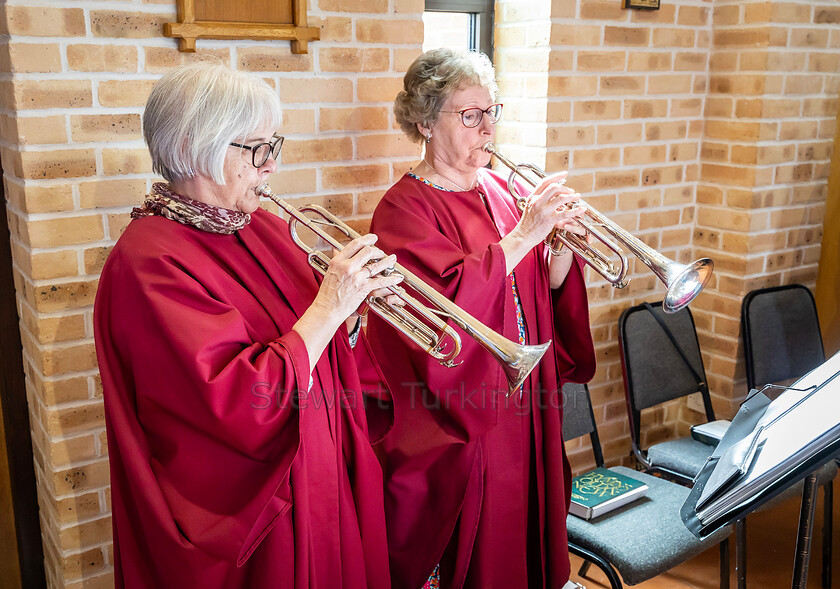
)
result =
(428, 137)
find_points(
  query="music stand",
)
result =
(769, 447)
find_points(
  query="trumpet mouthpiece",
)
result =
(489, 147)
(264, 190)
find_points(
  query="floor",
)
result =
(771, 544)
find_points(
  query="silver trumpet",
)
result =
(684, 281)
(440, 340)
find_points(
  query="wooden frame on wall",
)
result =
(643, 4)
(251, 19)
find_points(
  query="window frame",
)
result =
(482, 19)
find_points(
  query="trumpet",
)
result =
(683, 281)
(437, 338)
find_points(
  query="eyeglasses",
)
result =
(261, 151)
(471, 117)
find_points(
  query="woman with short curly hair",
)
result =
(477, 483)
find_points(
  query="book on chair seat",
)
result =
(601, 490)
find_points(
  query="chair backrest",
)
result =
(782, 338)
(578, 418)
(654, 371)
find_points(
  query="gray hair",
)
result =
(195, 111)
(430, 81)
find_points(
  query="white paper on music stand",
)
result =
(788, 439)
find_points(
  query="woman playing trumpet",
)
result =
(477, 483)
(237, 437)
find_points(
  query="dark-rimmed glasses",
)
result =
(471, 117)
(261, 151)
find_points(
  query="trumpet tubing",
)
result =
(683, 281)
(440, 340)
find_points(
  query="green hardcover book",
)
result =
(601, 490)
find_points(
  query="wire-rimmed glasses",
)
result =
(471, 117)
(261, 151)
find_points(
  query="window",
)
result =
(459, 24)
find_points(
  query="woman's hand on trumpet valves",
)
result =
(353, 275)
(546, 208)
(550, 205)
(561, 202)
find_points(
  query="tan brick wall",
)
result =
(75, 164)
(772, 107)
(705, 128)
(616, 97)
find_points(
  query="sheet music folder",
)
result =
(768, 447)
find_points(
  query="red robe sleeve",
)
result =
(208, 389)
(573, 346)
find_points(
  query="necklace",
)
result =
(458, 186)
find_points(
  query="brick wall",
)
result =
(627, 90)
(705, 128)
(77, 77)
(774, 77)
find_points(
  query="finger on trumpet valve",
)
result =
(384, 272)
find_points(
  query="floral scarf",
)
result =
(165, 203)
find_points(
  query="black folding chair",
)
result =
(782, 338)
(782, 341)
(661, 361)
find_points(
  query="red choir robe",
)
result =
(476, 481)
(227, 469)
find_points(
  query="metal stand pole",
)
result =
(806, 532)
(741, 553)
(828, 518)
(724, 564)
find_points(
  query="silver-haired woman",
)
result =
(477, 484)
(238, 443)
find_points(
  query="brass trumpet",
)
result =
(516, 360)
(684, 281)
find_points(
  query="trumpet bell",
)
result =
(687, 284)
(517, 367)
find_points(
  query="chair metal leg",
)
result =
(601, 563)
(724, 564)
(805, 533)
(584, 568)
(827, 533)
(741, 554)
